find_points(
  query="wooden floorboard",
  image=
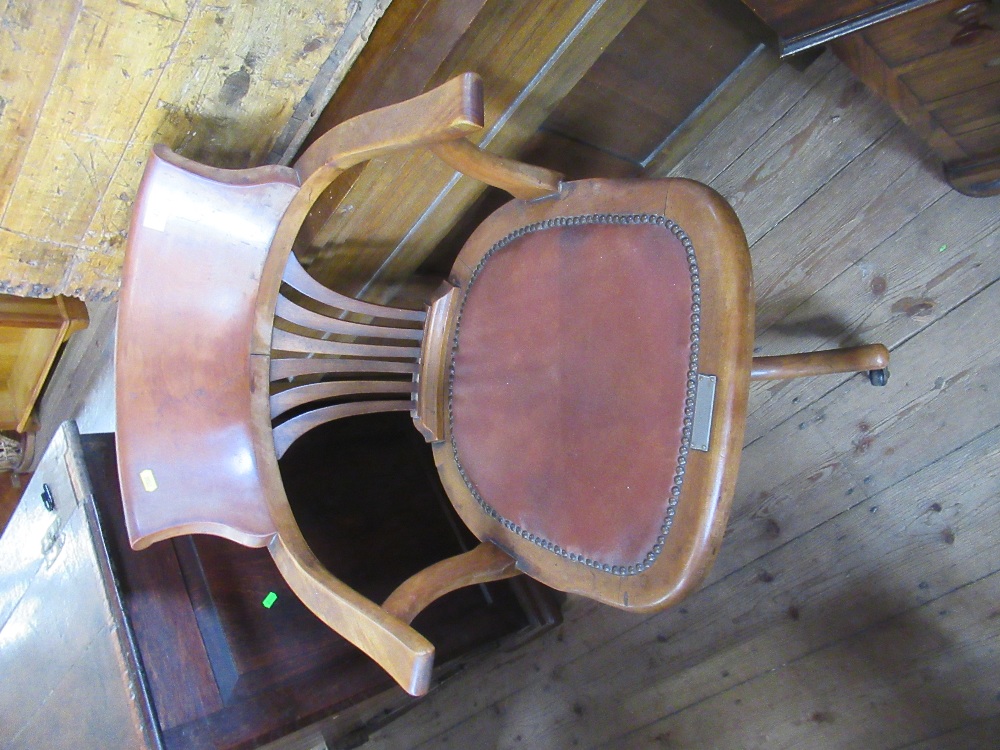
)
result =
(738, 133)
(857, 210)
(853, 603)
(898, 681)
(935, 263)
(773, 612)
(856, 440)
(802, 151)
(976, 734)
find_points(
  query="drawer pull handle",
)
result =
(972, 18)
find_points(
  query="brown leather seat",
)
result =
(573, 354)
(574, 435)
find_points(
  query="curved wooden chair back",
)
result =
(228, 351)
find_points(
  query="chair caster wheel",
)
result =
(878, 377)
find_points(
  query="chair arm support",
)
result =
(452, 110)
(521, 180)
(853, 359)
(485, 563)
(405, 654)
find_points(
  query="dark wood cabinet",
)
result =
(195, 659)
(939, 68)
(801, 24)
(936, 63)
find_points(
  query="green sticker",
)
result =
(270, 599)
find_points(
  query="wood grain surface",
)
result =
(195, 333)
(372, 233)
(32, 332)
(863, 521)
(482, 564)
(90, 85)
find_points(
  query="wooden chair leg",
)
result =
(485, 563)
(873, 358)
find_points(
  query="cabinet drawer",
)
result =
(954, 71)
(925, 31)
(980, 142)
(969, 112)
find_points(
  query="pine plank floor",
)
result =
(856, 599)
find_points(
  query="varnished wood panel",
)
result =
(937, 68)
(860, 57)
(31, 334)
(376, 232)
(627, 104)
(750, 74)
(953, 72)
(921, 33)
(421, 32)
(636, 100)
(802, 24)
(970, 111)
(982, 141)
(89, 86)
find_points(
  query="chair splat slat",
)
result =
(305, 394)
(292, 342)
(290, 367)
(293, 313)
(299, 279)
(288, 432)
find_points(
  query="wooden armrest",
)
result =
(449, 111)
(399, 649)
(485, 563)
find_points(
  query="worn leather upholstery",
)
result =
(571, 361)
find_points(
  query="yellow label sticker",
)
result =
(148, 480)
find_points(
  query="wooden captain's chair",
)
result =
(582, 377)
